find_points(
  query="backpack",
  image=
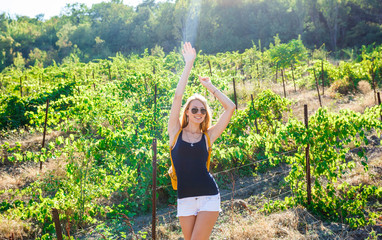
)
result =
(171, 170)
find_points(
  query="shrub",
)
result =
(342, 85)
(364, 86)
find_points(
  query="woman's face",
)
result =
(196, 112)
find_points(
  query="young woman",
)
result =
(198, 202)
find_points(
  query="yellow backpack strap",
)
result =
(175, 138)
(209, 151)
(173, 143)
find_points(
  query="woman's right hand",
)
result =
(188, 52)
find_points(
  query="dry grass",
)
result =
(19, 178)
(21, 174)
(28, 140)
(357, 103)
(243, 226)
(331, 100)
(26, 174)
(37, 139)
(244, 92)
(52, 172)
(307, 97)
(368, 100)
(170, 231)
(364, 87)
(8, 181)
(372, 177)
(279, 89)
(282, 225)
(17, 229)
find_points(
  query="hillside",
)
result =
(94, 164)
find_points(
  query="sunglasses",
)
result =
(196, 110)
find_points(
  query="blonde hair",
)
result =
(207, 119)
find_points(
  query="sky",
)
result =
(49, 8)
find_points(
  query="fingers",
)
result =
(204, 79)
(188, 48)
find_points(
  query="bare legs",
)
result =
(187, 223)
(198, 227)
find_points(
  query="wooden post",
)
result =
(234, 91)
(254, 110)
(294, 81)
(57, 225)
(322, 77)
(155, 109)
(109, 72)
(258, 73)
(26, 89)
(308, 185)
(209, 64)
(373, 79)
(318, 90)
(153, 223)
(155, 101)
(46, 119)
(282, 76)
(277, 69)
(139, 166)
(21, 87)
(379, 102)
(262, 63)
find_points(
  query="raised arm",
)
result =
(189, 55)
(229, 107)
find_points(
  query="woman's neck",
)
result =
(193, 128)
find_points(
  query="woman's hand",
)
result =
(206, 82)
(188, 52)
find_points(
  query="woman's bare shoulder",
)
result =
(172, 134)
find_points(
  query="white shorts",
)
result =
(192, 205)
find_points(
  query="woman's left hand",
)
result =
(206, 82)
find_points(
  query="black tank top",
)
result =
(191, 171)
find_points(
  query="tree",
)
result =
(84, 37)
(112, 22)
(75, 13)
(163, 26)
